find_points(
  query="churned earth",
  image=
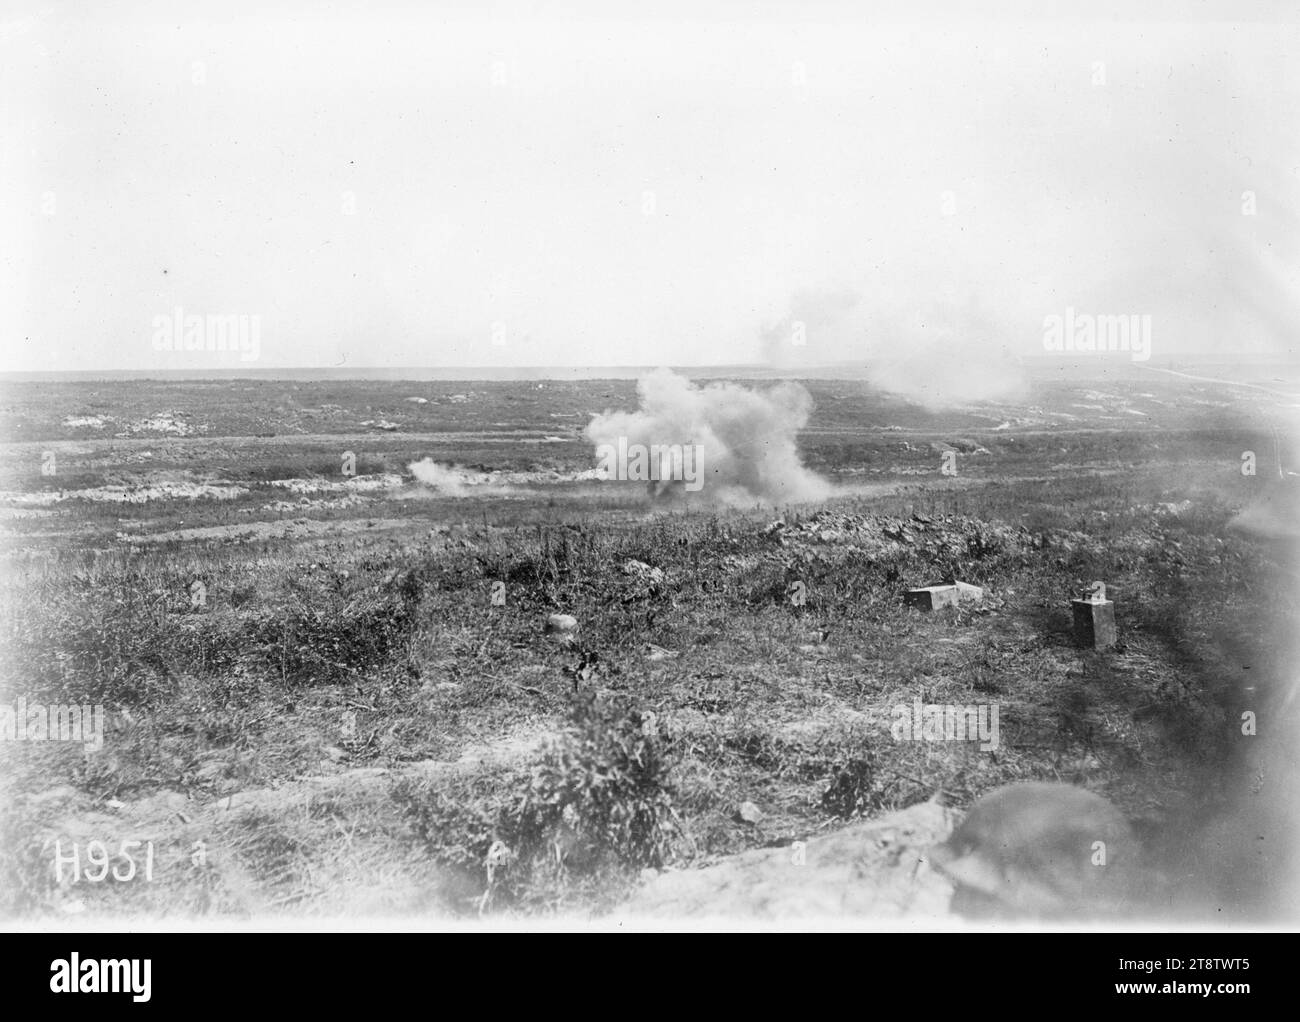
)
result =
(329, 688)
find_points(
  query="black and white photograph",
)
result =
(690, 467)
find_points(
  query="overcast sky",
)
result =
(427, 185)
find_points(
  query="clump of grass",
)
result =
(127, 637)
(852, 791)
(593, 810)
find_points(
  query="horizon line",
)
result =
(426, 373)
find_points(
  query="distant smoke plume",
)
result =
(942, 355)
(447, 480)
(745, 438)
(1274, 515)
(937, 352)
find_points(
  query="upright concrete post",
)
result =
(1094, 619)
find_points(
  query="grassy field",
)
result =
(321, 701)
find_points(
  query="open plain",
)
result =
(314, 614)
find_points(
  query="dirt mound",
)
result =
(248, 852)
(869, 872)
(884, 535)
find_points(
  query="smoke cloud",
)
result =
(746, 439)
(447, 480)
